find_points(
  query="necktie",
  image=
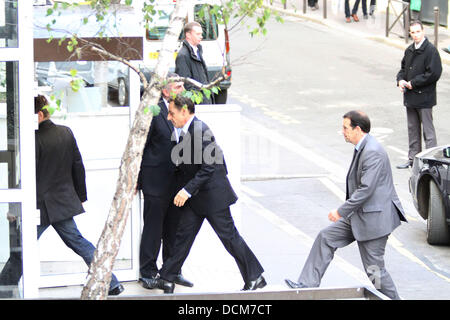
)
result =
(355, 152)
(180, 136)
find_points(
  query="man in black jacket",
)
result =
(61, 185)
(189, 62)
(421, 68)
(156, 180)
(204, 193)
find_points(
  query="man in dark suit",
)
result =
(189, 62)
(157, 180)
(421, 68)
(371, 212)
(204, 193)
(61, 186)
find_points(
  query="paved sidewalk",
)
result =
(373, 28)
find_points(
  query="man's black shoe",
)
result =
(182, 281)
(294, 285)
(148, 283)
(116, 291)
(405, 165)
(167, 286)
(259, 283)
(446, 49)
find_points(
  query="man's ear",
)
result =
(40, 116)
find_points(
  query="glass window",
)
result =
(10, 250)
(100, 123)
(203, 15)
(8, 23)
(9, 126)
(105, 84)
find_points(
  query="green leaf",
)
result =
(207, 93)
(50, 110)
(49, 12)
(155, 110)
(73, 72)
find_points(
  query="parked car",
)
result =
(429, 186)
(57, 75)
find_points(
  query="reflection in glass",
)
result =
(9, 126)
(8, 23)
(10, 250)
(106, 84)
(101, 125)
(203, 15)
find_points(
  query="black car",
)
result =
(429, 185)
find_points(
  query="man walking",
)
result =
(189, 62)
(421, 68)
(372, 210)
(157, 180)
(204, 193)
(60, 187)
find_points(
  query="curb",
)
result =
(393, 43)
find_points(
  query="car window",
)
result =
(203, 15)
(160, 23)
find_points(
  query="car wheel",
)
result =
(122, 92)
(437, 228)
(221, 98)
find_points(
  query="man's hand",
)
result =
(408, 85)
(334, 215)
(402, 84)
(180, 198)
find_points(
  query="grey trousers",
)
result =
(339, 235)
(420, 119)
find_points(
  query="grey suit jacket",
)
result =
(372, 206)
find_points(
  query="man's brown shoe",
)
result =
(355, 17)
(347, 19)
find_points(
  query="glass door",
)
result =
(17, 187)
(99, 115)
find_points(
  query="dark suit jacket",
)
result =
(372, 205)
(188, 65)
(60, 174)
(157, 177)
(423, 68)
(203, 171)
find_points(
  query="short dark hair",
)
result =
(358, 119)
(40, 102)
(180, 101)
(190, 25)
(416, 22)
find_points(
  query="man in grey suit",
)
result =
(372, 210)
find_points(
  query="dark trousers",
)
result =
(356, 5)
(420, 119)
(223, 225)
(161, 220)
(311, 3)
(339, 235)
(69, 234)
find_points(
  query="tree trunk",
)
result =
(99, 275)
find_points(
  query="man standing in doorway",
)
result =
(421, 68)
(60, 187)
(189, 62)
